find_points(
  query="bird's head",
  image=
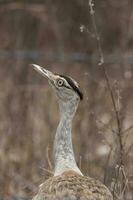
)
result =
(65, 87)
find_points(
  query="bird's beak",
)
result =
(47, 74)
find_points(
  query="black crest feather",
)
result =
(72, 84)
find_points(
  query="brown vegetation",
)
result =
(48, 33)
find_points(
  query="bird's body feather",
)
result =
(72, 186)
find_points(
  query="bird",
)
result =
(67, 182)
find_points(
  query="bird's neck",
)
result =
(63, 150)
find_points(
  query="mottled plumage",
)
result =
(68, 182)
(72, 186)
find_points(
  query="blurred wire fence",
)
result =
(66, 57)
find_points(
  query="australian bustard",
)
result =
(68, 182)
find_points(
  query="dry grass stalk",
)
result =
(120, 181)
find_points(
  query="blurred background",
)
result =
(48, 33)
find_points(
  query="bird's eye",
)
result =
(60, 82)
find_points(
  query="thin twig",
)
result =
(107, 164)
(121, 181)
(104, 124)
(129, 149)
(48, 171)
(83, 28)
(119, 132)
(92, 13)
(127, 135)
(48, 159)
(128, 129)
(80, 162)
